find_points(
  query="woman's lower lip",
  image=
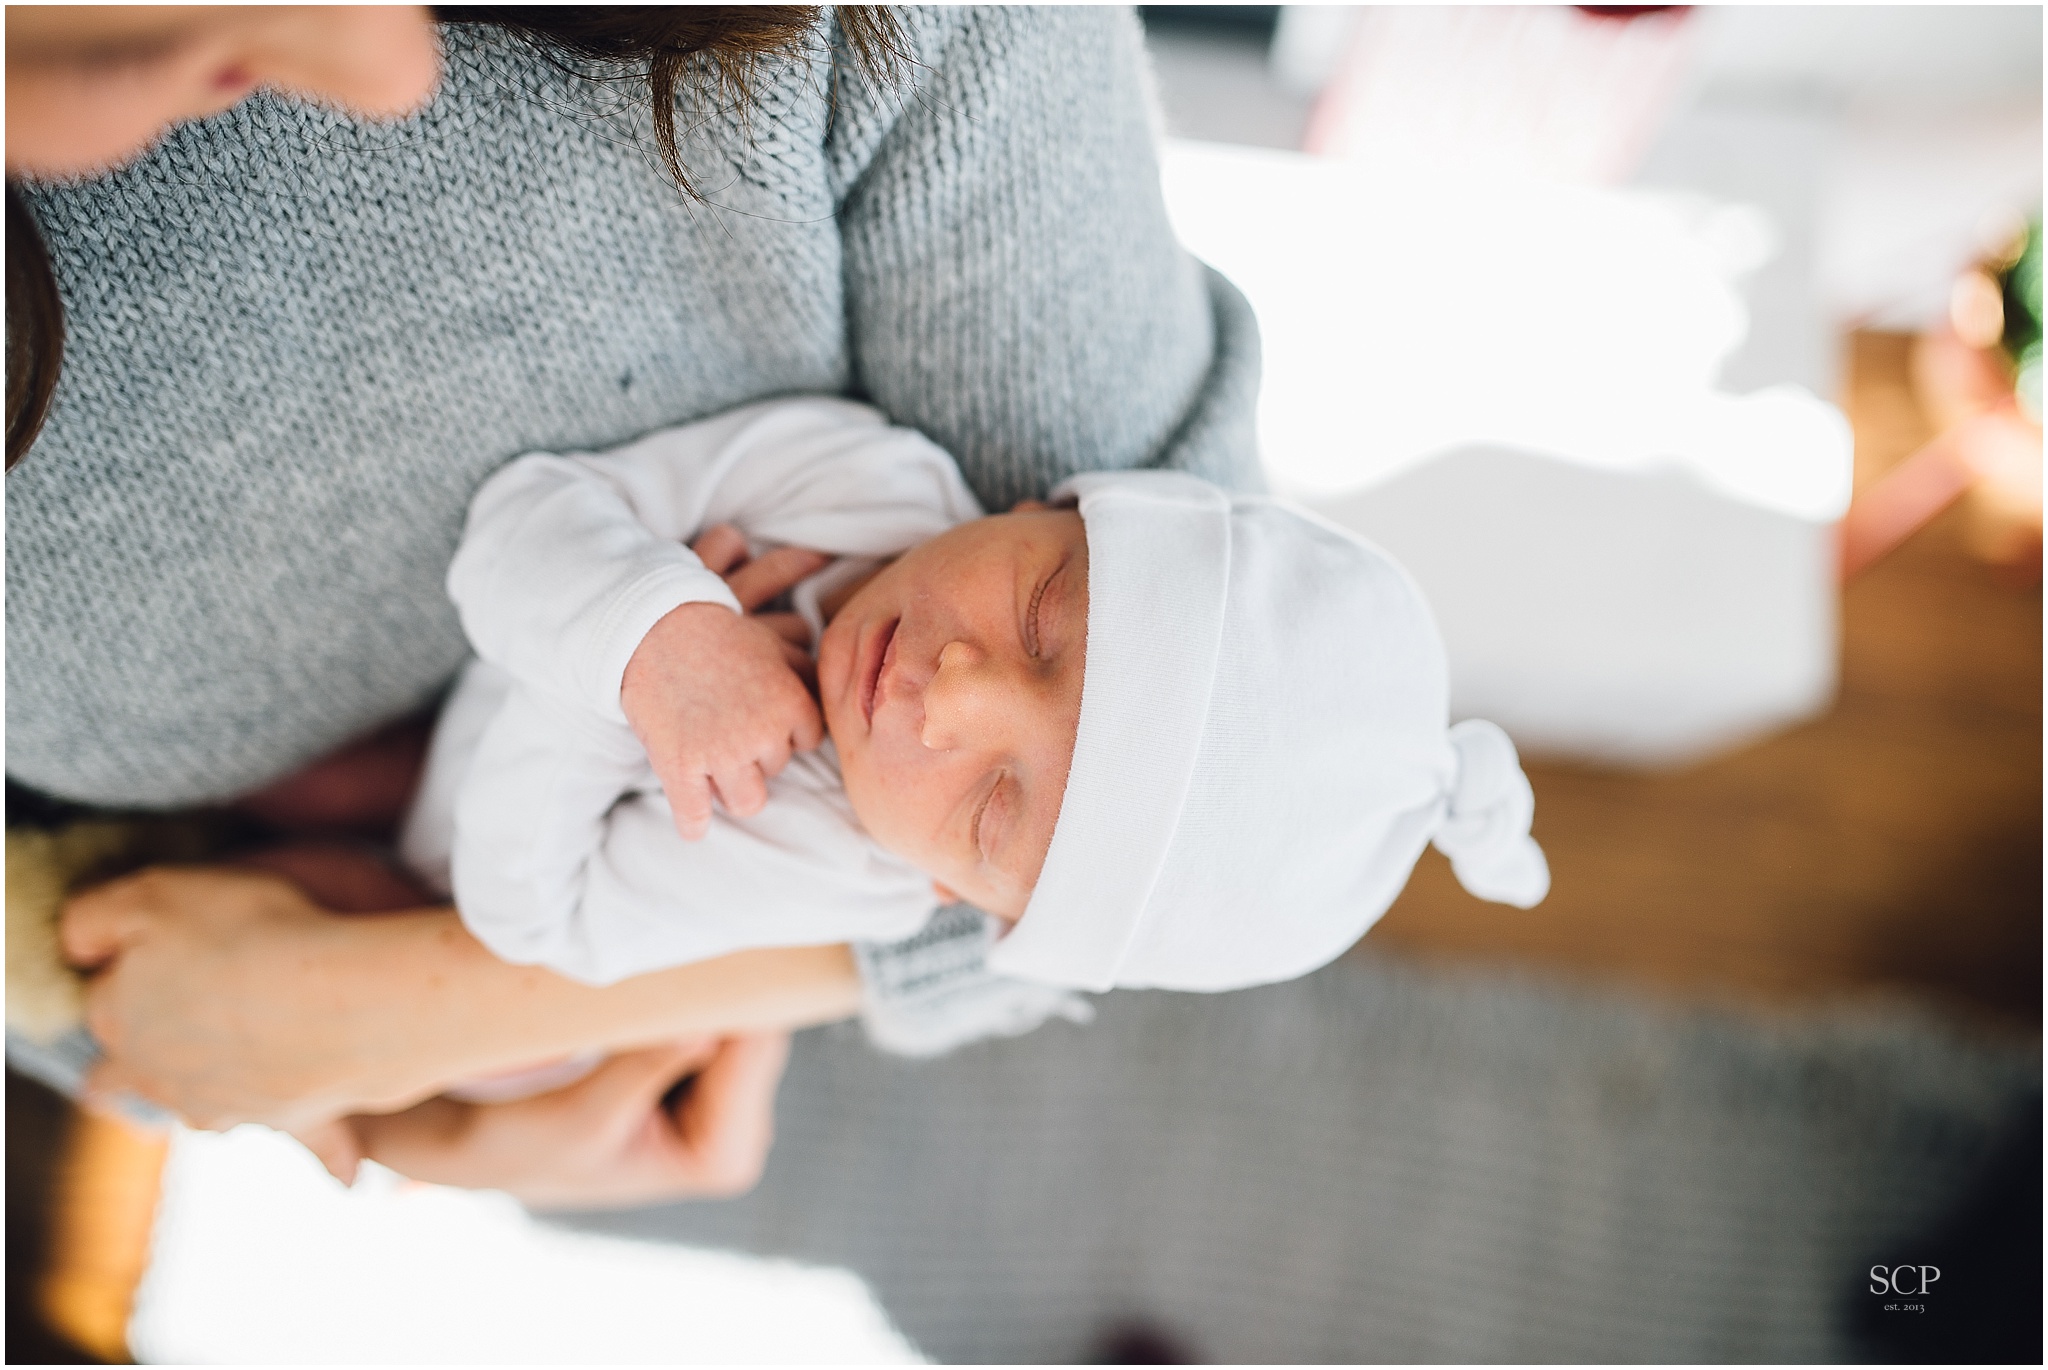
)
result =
(873, 664)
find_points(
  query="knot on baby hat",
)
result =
(1485, 830)
(1262, 754)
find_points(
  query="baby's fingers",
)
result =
(773, 573)
(805, 665)
(797, 711)
(720, 547)
(810, 728)
(788, 627)
(743, 790)
(689, 799)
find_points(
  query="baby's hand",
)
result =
(718, 699)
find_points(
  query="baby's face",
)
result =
(951, 683)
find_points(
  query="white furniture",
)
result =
(1512, 387)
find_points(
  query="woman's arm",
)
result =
(310, 1016)
(1013, 285)
(612, 1139)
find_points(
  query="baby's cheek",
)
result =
(894, 803)
(869, 792)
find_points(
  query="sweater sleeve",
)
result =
(1013, 285)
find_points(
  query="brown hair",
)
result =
(35, 329)
(661, 45)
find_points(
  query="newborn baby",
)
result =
(1172, 737)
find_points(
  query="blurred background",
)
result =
(1690, 358)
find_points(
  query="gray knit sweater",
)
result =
(298, 343)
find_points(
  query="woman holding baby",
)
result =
(299, 331)
(293, 339)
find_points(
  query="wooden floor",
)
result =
(1891, 847)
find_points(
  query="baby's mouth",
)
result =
(879, 656)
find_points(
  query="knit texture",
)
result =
(1382, 1162)
(932, 993)
(297, 344)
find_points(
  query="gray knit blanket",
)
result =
(1380, 1163)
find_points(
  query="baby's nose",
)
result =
(961, 703)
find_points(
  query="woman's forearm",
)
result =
(305, 1015)
(473, 1013)
(496, 1014)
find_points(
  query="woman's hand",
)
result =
(605, 1141)
(228, 996)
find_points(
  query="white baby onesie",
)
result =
(539, 810)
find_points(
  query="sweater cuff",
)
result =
(631, 616)
(63, 1063)
(932, 992)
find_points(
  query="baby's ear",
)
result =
(1029, 506)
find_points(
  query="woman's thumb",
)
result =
(625, 1087)
(336, 1146)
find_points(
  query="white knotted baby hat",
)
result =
(1263, 750)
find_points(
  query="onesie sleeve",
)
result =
(567, 856)
(566, 562)
(530, 810)
(558, 578)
